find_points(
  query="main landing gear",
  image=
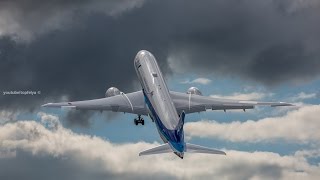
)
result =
(139, 120)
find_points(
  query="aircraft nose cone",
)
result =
(142, 53)
(141, 56)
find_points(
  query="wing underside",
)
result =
(128, 103)
(135, 103)
(191, 103)
(192, 148)
(164, 148)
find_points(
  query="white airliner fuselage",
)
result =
(158, 99)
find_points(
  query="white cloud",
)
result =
(203, 81)
(6, 116)
(313, 153)
(300, 125)
(30, 150)
(178, 62)
(303, 96)
(243, 96)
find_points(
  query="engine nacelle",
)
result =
(194, 90)
(113, 91)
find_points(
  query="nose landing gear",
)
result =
(138, 120)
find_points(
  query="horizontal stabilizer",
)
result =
(192, 148)
(165, 148)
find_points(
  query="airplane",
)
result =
(166, 108)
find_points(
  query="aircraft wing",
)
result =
(190, 103)
(129, 103)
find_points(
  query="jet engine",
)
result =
(113, 91)
(194, 90)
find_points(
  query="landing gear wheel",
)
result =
(138, 120)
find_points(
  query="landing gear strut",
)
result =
(139, 120)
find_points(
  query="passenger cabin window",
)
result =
(154, 74)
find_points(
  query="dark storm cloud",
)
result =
(287, 61)
(80, 118)
(30, 18)
(79, 62)
(267, 41)
(271, 42)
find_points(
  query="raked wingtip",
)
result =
(46, 105)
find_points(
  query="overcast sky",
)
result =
(75, 50)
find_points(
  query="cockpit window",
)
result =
(138, 63)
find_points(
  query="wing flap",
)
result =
(231, 106)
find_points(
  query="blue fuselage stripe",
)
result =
(174, 137)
